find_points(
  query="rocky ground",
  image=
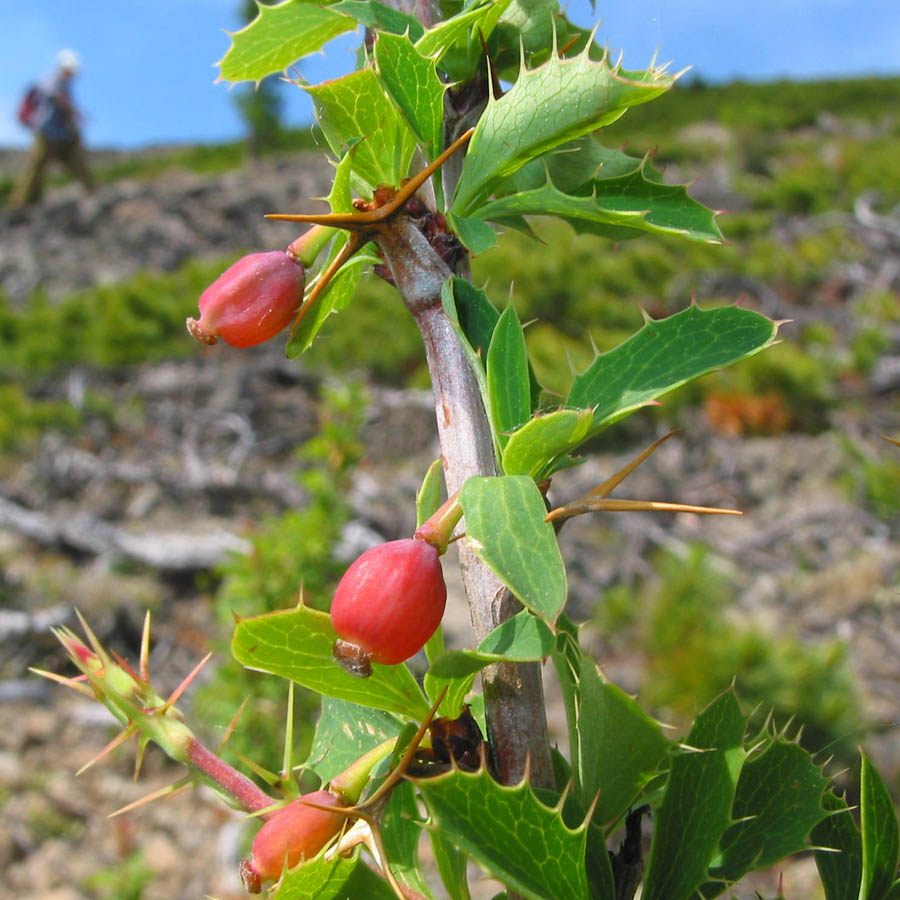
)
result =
(126, 514)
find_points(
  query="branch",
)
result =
(514, 700)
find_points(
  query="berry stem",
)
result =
(239, 789)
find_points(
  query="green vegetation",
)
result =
(125, 880)
(678, 622)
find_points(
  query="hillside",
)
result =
(138, 470)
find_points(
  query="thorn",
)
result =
(67, 682)
(95, 643)
(270, 778)
(139, 756)
(397, 773)
(117, 741)
(144, 664)
(231, 726)
(365, 220)
(287, 763)
(173, 699)
(172, 789)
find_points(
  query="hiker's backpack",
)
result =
(29, 105)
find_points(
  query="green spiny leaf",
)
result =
(534, 448)
(296, 644)
(337, 879)
(523, 638)
(279, 36)
(547, 106)
(376, 15)
(880, 834)
(509, 385)
(411, 80)
(616, 747)
(614, 207)
(356, 108)
(511, 833)
(665, 354)
(506, 529)
(458, 29)
(777, 804)
(840, 860)
(344, 732)
(696, 806)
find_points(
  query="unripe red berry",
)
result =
(293, 834)
(250, 301)
(388, 604)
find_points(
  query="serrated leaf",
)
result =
(665, 354)
(777, 804)
(376, 15)
(296, 644)
(428, 497)
(505, 528)
(615, 746)
(355, 108)
(457, 30)
(523, 638)
(344, 732)
(402, 828)
(534, 448)
(337, 879)
(509, 385)
(278, 36)
(840, 861)
(518, 839)
(628, 205)
(527, 29)
(696, 806)
(880, 834)
(412, 81)
(547, 106)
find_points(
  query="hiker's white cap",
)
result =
(68, 60)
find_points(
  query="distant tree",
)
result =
(260, 105)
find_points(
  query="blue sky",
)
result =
(148, 64)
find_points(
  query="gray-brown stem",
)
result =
(514, 699)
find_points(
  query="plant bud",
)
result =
(293, 834)
(250, 301)
(388, 604)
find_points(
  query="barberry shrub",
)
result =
(501, 101)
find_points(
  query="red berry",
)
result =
(388, 604)
(250, 301)
(293, 834)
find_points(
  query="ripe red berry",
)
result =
(388, 604)
(250, 301)
(293, 834)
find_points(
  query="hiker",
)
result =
(50, 113)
